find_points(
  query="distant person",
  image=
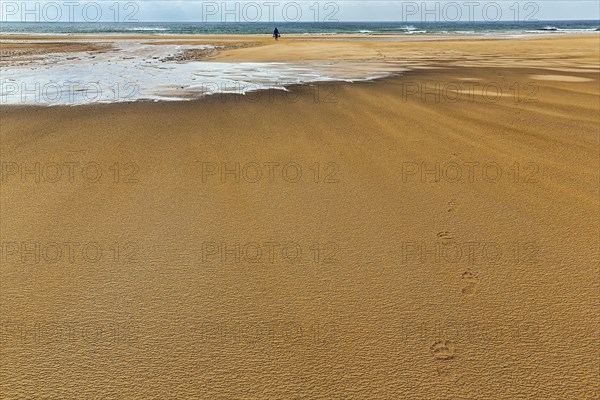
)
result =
(276, 34)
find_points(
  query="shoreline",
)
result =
(266, 36)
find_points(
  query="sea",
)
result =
(299, 28)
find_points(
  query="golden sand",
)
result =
(425, 236)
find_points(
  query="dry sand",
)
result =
(413, 282)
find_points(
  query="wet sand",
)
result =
(432, 235)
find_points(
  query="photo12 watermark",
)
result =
(468, 11)
(27, 333)
(455, 332)
(264, 333)
(70, 11)
(269, 11)
(469, 92)
(68, 172)
(493, 172)
(252, 92)
(449, 251)
(66, 93)
(30, 252)
(269, 172)
(270, 252)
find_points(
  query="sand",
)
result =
(377, 240)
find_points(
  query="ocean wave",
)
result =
(146, 28)
(561, 30)
(579, 30)
(408, 28)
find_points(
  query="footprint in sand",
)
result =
(471, 282)
(444, 235)
(452, 204)
(443, 350)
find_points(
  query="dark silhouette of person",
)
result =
(276, 34)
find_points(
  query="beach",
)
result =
(425, 227)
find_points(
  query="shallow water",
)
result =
(146, 71)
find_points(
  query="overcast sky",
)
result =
(298, 10)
